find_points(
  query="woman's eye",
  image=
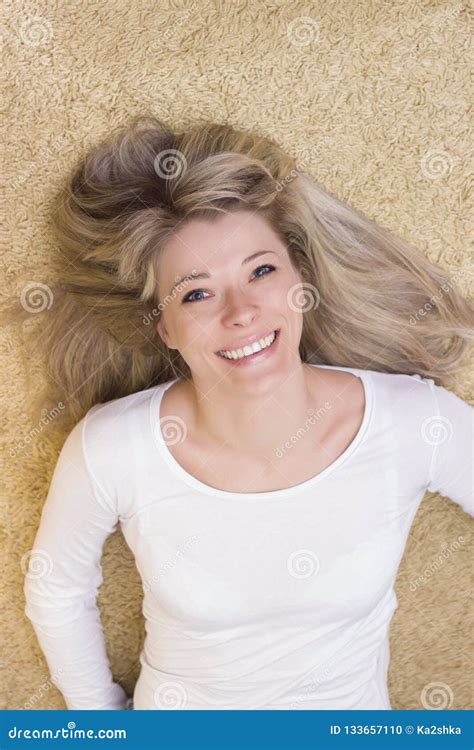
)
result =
(188, 297)
(265, 274)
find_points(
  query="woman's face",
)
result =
(240, 299)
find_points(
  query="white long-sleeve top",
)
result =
(268, 600)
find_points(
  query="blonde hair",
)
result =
(381, 304)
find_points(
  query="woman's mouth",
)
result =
(258, 351)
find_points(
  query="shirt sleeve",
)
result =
(450, 432)
(62, 580)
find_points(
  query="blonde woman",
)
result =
(256, 375)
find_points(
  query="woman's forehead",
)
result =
(206, 245)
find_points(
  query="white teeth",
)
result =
(251, 349)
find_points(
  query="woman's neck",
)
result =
(258, 420)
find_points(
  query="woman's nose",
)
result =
(239, 308)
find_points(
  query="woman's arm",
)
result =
(64, 575)
(450, 431)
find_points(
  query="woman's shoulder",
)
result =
(113, 430)
(115, 439)
(394, 382)
(404, 399)
(417, 405)
(117, 412)
(355, 382)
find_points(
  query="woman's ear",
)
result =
(164, 335)
(298, 264)
(162, 332)
(302, 272)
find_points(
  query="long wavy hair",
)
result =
(379, 303)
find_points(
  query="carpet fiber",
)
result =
(372, 99)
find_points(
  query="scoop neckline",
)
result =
(286, 492)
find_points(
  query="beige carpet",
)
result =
(372, 100)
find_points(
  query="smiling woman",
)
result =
(237, 358)
(149, 203)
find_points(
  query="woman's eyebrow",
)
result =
(205, 275)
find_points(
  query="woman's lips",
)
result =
(260, 355)
(247, 342)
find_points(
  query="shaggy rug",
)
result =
(372, 99)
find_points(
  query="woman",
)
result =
(259, 375)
